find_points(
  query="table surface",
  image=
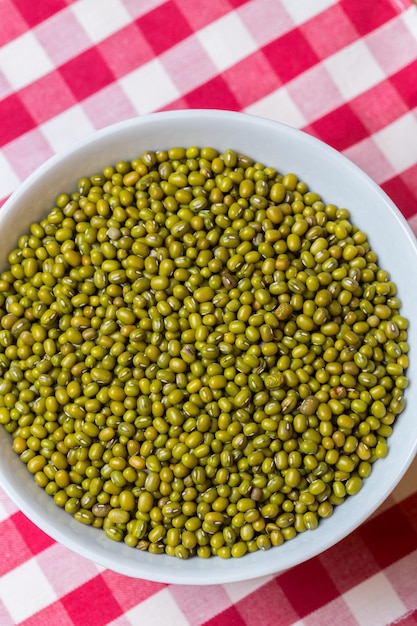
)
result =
(344, 71)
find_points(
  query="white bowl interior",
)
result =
(338, 181)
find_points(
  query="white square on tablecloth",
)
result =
(303, 10)
(37, 593)
(402, 576)
(8, 178)
(354, 69)
(7, 504)
(3, 513)
(149, 87)
(120, 621)
(101, 21)
(279, 106)
(23, 61)
(375, 602)
(398, 141)
(238, 591)
(409, 17)
(5, 87)
(62, 130)
(136, 9)
(227, 41)
(156, 610)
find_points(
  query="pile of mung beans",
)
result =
(198, 355)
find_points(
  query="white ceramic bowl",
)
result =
(339, 182)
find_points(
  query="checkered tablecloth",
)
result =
(344, 71)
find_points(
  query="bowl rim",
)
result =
(180, 574)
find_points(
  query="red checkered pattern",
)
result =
(342, 70)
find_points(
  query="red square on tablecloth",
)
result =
(329, 31)
(83, 611)
(125, 50)
(377, 533)
(405, 82)
(317, 587)
(47, 97)
(214, 94)
(409, 176)
(16, 552)
(15, 118)
(86, 73)
(164, 27)
(379, 106)
(399, 190)
(251, 79)
(12, 23)
(290, 55)
(36, 12)
(199, 14)
(368, 17)
(268, 606)
(349, 563)
(340, 128)
(129, 592)
(36, 539)
(176, 105)
(230, 617)
(409, 620)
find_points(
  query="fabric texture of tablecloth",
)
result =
(344, 71)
